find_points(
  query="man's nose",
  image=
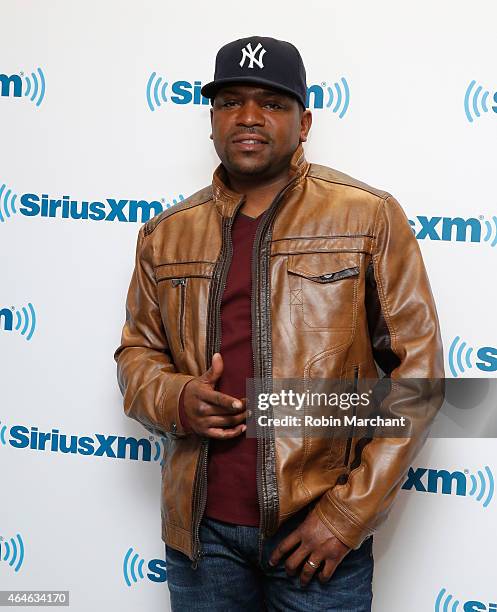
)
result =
(250, 113)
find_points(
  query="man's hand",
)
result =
(212, 413)
(316, 544)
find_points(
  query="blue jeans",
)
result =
(229, 577)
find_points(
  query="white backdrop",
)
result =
(79, 118)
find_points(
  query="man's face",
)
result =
(257, 129)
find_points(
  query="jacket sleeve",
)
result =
(147, 376)
(406, 343)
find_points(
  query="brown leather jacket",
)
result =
(380, 311)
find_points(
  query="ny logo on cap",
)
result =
(249, 53)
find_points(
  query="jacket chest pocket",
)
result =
(183, 288)
(323, 290)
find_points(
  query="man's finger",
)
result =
(220, 433)
(214, 372)
(310, 567)
(328, 570)
(285, 546)
(225, 421)
(224, 404)
(296, 559)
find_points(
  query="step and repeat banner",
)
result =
(103, 126)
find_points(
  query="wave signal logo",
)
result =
(25, 320)
(336, 98)
(100, 445)
(445, 602)
(480, 486)
(491, 232)
(13, 551)
(182, 92)
(455, 229)
(483, 488)
(475, 101)
(34, 86)
(133, 568)
(7, 202)
(462, 357)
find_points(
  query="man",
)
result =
(280, 269)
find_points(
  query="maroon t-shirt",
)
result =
(232, 464)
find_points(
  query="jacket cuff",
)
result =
(170, 404)
(182, 414)
(341, 523)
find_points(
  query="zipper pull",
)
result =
(178, 281)
(195, 561)
(327, 276)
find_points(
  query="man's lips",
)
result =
(249, 139)
(249, 142)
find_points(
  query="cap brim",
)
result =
(209, 90)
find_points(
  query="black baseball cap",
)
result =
(260, 59)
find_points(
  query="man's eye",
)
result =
(273, 105)
(229, 102)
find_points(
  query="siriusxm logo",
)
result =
(476, 101)
(335, 97)
(110, 209)
(133, 568)
(32, 87)
(445, 602)
(98, 445)
(455, 229)
(463, 357)
(480, 487)
(20, 320)
(12, 551)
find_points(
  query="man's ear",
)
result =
(211, 112)
(305, 124)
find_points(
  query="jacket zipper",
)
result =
(329, 277)
(354, 412)
(334, 276)
(267, 488)
(182, 283)
(265, 449)
(213, 344)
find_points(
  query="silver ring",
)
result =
(312, 564)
